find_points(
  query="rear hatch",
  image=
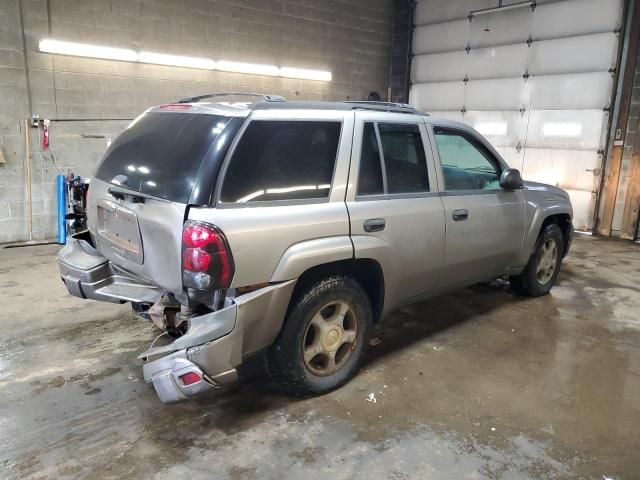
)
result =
(164, 161)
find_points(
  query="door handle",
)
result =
(374, 225)
(459, 215)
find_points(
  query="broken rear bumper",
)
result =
(215, 343)
(218, 342)
(87, 274)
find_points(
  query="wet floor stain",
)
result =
(476, 384)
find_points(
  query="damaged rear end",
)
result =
(142, 248)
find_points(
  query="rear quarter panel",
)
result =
(260, 237)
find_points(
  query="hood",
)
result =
(540, 193)
(546, 190)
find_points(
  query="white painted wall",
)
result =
(551, 125)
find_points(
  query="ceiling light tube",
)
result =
(176, 60)
(252, 68)
(86, 50)
(111, 53)
(305, 74)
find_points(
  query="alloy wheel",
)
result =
(547, 261)
(330, 338)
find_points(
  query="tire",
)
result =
(533, 281)
(320, 307)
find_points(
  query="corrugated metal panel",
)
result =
(567, 91)
(590, 122)
(541, 58)
(552, 20)
(518, 125)
(443, 10)
(569, 169)
(551, 123)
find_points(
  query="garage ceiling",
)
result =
(537, 83)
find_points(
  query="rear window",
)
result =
(282, 160)
(160, 153)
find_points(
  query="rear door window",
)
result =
(160, 153)
(370, 173)
(402, 168)
(282, 160)
(404, 158)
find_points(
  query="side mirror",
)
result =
(511, 179)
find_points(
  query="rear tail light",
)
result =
(206, 257)
(190, 378)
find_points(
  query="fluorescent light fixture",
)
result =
(86, 50)
(561, 129)
(128, 55)
(491, 128)
(305, 74)
(252, 68)
(176, 60)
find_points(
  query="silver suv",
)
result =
(293, 227)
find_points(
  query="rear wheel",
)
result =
(544, 265)
(323, 340)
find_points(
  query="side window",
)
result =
(282, 160)
(370, 175)
(403, 158)
(466, 164)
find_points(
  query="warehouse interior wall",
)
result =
(89, 101)
(537, 80)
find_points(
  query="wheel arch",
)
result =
(562, 220)
(545, 215)
(366, 271)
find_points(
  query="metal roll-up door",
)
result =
(536, 82)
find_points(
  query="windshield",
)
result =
(160, 153)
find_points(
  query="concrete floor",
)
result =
(477, 384)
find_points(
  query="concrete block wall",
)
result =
(92, 100)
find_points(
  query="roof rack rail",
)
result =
(266, 98)
(382, 104)
(386, 106)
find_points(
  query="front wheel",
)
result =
(323, 340)
(544, 265)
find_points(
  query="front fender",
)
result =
(302, 256)
(536, 215)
